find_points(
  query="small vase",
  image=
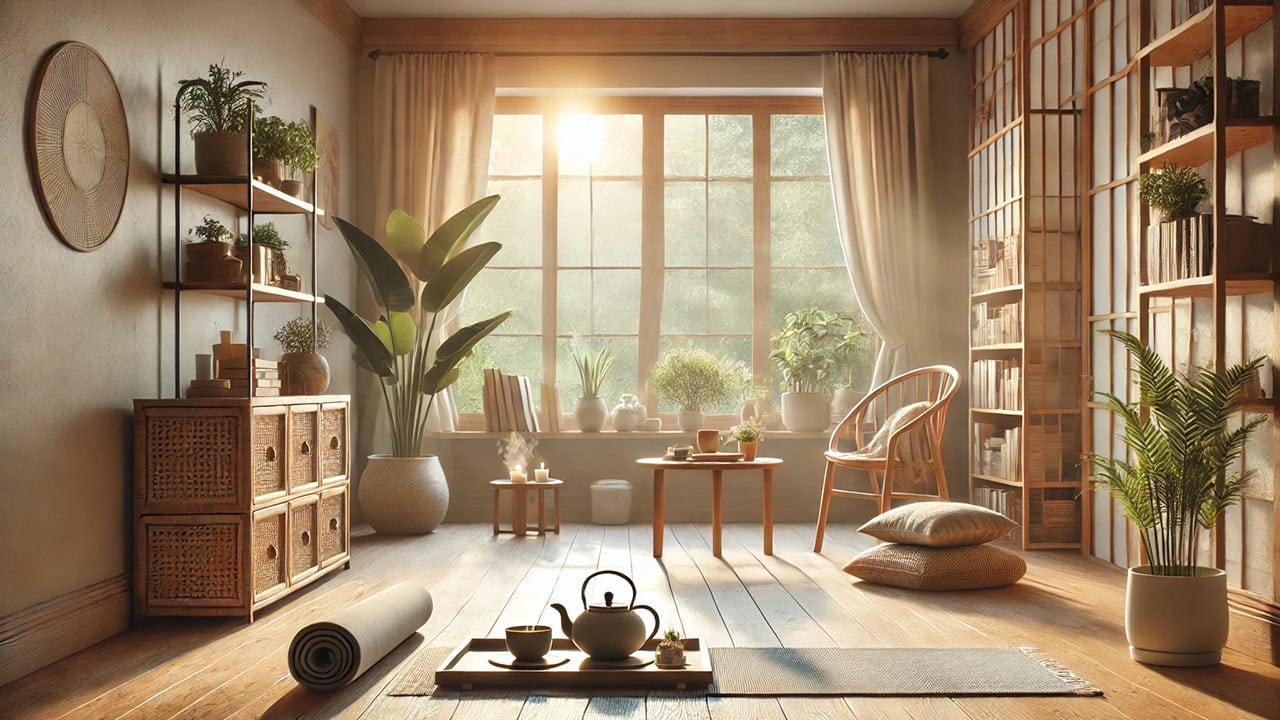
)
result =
(304, 373)
(748, 450)
(690, 420)
(591, 414)
(404, 496)
(624, 419)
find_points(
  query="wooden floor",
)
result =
(1070, 607)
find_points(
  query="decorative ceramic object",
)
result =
(607, 632)
(806, 412)
(404, 496)
(653, 424)
(670, 652)
(304, 373)
(690, 420)
(1176, 621)
(628, 414)
(708, 441)
(591, 414)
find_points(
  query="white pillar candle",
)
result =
(517, 476)
(541, 474)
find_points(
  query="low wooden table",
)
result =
(519, 505)
(660, 467)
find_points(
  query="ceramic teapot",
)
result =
(608, 632)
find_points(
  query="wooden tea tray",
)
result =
(715, 457)
(468, 667)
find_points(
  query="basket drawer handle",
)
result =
(306, 538)
(333, 443)
(272, 552)
(305, 448)
(269, 453)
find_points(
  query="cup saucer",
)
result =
(631, 662)
(543, 663)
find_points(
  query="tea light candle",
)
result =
(517, 475)
(541, 474)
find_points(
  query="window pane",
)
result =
(685, 145)
(517, 145)
(494, 291)
(798, 145)
(729, 301)
(684, 302)
(516, 222)
(621, 379)
(616, 224)
(804, 225)
(620, 147)
(731, 223)
(729, 137)
(616, 301)
(799, 289)
(685, 227)
(573, 223)
(573, 302)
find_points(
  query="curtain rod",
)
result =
(940, 54)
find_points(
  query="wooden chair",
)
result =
(894, 431)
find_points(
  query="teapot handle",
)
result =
(656, 622)
(632, 585)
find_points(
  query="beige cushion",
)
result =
(879, 445)
(939, 524)
(924, 568)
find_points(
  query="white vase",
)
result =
(591, 414)
(404, 496)
(806, 412)
(1176, 621)
(690, 420)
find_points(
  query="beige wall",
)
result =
(85, 333)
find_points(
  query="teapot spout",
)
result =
(566, 624)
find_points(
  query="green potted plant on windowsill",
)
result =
(593, 366)
(219, 107)
(406, 491)
(691, 380)
(1180, 438)
(805, 355)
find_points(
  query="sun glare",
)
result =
(580, 136)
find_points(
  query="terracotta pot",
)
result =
(404, 496)
(591, 414)
(690, 420)
(748, 450)
(806, 412)
(304, 373)
(1176, 621)
(268, 171)
(292, 187)
(219, 153)
(211, 262)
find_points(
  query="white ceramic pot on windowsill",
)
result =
(806, 412)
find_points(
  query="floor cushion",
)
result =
(970, 567)
(939, 524)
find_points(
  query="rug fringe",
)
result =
(1075, 683)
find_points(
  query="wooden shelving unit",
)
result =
(261, 292)
(1197, 148)
(1193, 39)
(1025, 280)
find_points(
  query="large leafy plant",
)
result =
(221, 102)
(1182, 447)
(398, 346)
(807, 350)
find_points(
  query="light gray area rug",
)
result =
(952, 672)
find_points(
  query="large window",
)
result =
(650, 224)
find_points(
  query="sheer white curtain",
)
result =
(877, 118)
(432, 130)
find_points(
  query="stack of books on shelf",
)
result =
(1179, 249)
(996, 384)
(996, 324)
(508, 403)
(995, 261)
(1004, 501)
(265, 376)
(997, 452)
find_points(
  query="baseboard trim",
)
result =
(51, 630)
(1255, 626)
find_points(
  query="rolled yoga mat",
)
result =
(327, 655)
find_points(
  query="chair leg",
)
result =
(828, 482)
(886, 493)
(940, 477)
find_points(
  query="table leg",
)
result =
(520, 511)
(658, 504)
(717, 494)
(542, 513)
(768, 511)
(497, 492)
(555, 498)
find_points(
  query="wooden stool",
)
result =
(519, 505)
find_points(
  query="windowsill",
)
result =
(613, 435)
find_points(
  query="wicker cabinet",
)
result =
(237, 501)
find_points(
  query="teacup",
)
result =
(708, 441)
(653, 424)
(528, 643)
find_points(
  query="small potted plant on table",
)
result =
(691, 379)
(304, 369)
(670, 652)
(748, 436)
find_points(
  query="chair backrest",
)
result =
(935, 384)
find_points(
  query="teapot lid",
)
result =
(608, 605)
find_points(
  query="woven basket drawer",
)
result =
(188, 562)
(302, 446)
(268, 453)
(333, 525)
(270, 537)
(304, 537)
(190, 459)
(333, 442)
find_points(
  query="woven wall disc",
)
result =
(79, 145)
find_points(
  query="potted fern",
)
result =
(219, 108)
(593, 366)
(692, 379)
(1182, 444)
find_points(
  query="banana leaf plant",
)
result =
(399, 347)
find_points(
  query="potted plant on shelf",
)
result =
(691, 379)
(593, 367)
(219, 107)
(209, 253)
(406, 491)
(805, 354)
(748, 436)
(1176, 246)
(267, 236)
(1180, 437)
(281, 149)
(303, 370)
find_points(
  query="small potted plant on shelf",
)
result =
(748, 436)
(593, 367)
(1176, 247)
(670, 652)
(219, 107)
(855, 359)
(303, 370)
(691, 379)
(209, 253)
(283, 149)
(267, 236)
(805, 354)
(1179, 481)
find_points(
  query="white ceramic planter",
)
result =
(590, 414)
(1176, 621)
(690, 420)
(806, 412)
(404, 496)
(843, 401)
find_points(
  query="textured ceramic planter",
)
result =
(1176, 621)
(690, 420)
(590, 414)
(625, 419)
(220, 153)
(404, 496)
(305, 373)
(806, 412)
